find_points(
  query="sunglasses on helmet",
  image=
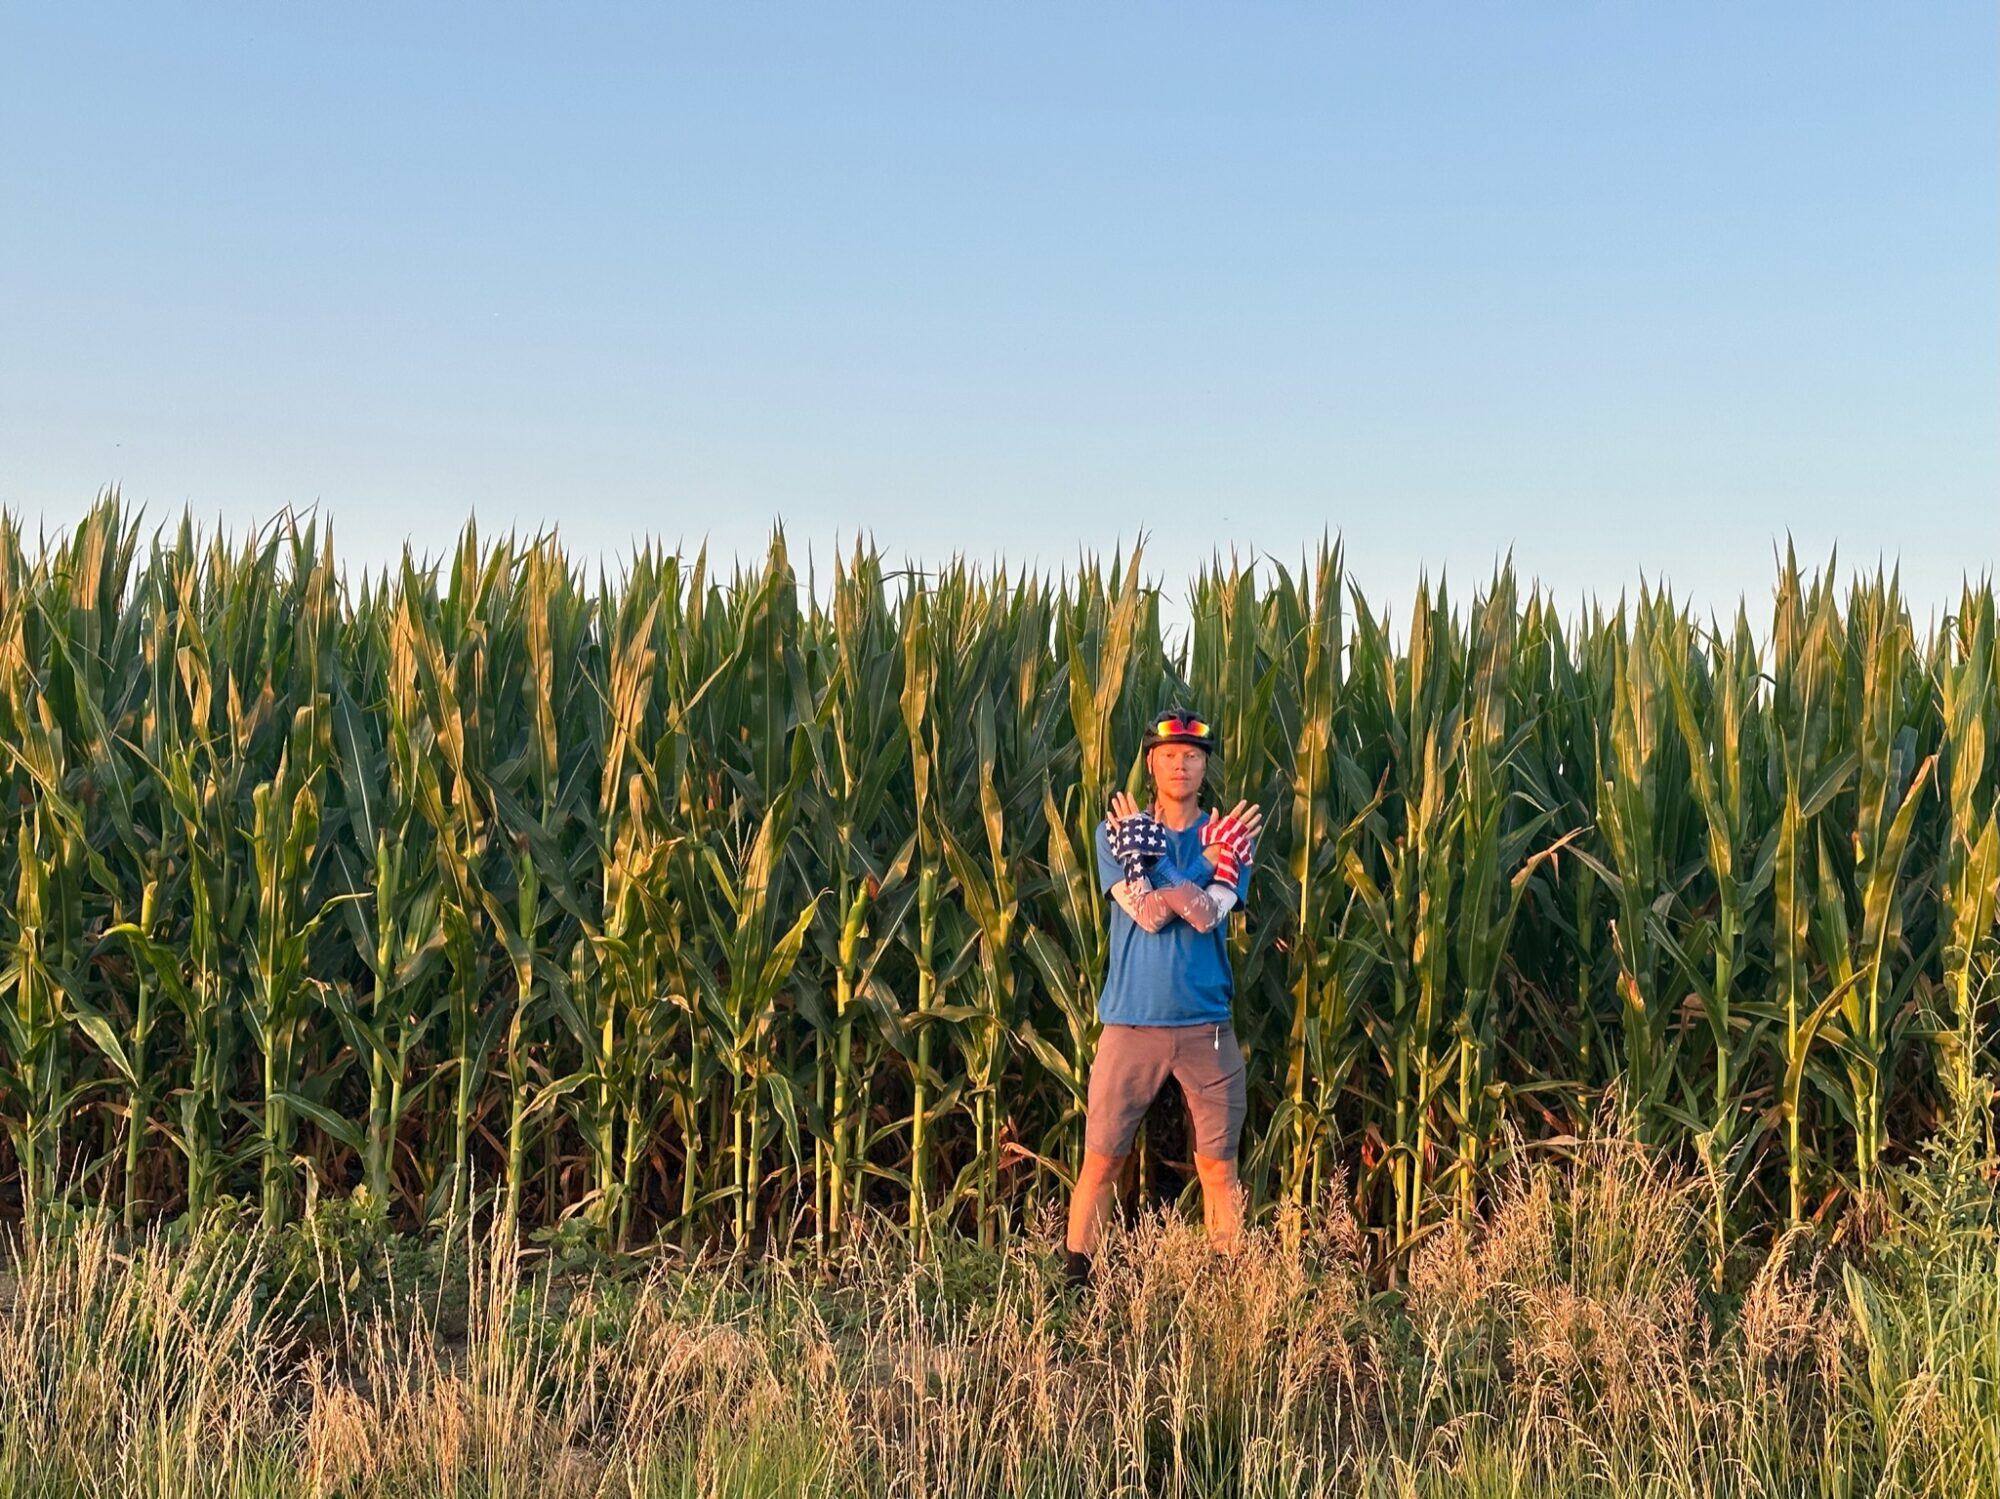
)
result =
(1174, 723)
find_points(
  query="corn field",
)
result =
(760, 908)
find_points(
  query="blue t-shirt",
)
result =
(1177, 975)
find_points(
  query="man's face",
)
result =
(1177, 769)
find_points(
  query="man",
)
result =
(1173, 873)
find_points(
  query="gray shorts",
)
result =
(1133, 1063)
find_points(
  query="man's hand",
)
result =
(1135, 893)
(1138, 842)
(1123, 805)
(1251, 816)
(1228, 840)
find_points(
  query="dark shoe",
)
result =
(1076, 1269)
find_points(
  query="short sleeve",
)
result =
(1109, 870)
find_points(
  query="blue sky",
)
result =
(1624, 289)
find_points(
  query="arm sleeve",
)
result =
(1149, 911)
(1109, 871)
(1201, 871)
(1199, 908)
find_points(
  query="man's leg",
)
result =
(1209, 1064)
(1129, 1068)
(1090, 1202)
(1221, 1202)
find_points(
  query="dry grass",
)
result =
(1569, 1344)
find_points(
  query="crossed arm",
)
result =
(1151, 909)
